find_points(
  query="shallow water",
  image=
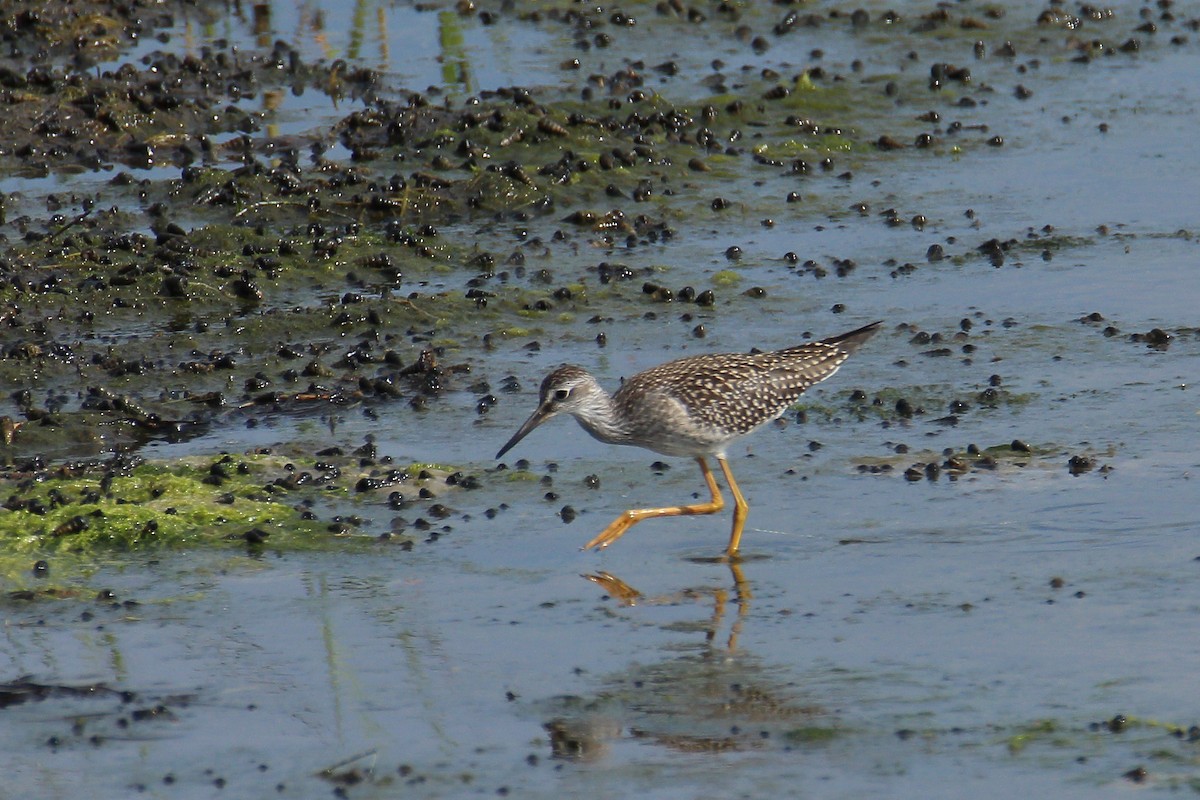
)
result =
(923, 646)
(882, 637)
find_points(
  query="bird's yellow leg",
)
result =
(632, 517)
(740, 509)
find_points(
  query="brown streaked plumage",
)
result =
(695, 406)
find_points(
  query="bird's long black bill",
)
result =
(535, 419)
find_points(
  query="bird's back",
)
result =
(697, 405)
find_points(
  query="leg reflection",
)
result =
(739, 592)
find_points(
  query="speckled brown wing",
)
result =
(755, 389)
(725, 395)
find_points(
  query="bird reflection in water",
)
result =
(588, 730)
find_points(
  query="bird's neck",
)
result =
(600, 419)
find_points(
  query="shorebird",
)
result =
(695, 406)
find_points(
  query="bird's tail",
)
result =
(852, 340)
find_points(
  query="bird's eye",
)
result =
(561, 394)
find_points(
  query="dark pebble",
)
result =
(1077, 465)
(1136, 775)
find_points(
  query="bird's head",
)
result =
(568, 389)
